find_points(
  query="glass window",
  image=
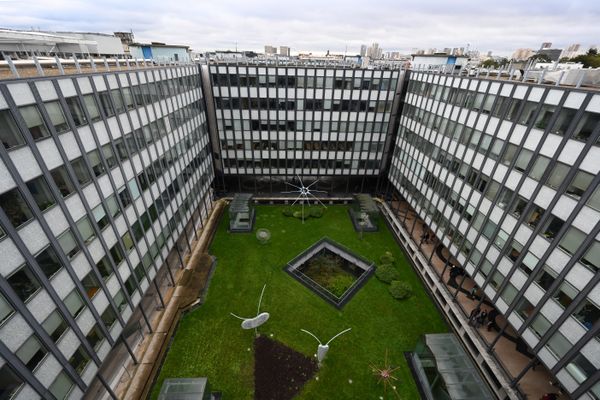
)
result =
(9, 132)
(100, 216)
(524, 308)
(55, 325)
(509, 293)
(563, 121)
(57, 117)
(133, 187)
(120, 300)
(79, 360)
(76, 111)
(92, 107)
(91, 284)
(48, 262)
(108, 317)
(31, 353)
(118, 100)
(535, 216)
(85, 229)
(104, 268)
(539, 167)
(62, 181)
(61, 387)
(125, 197)
(546, 278)
(113, 206)
(523, 160)
(33, 120)
(68, 244)
(572, 240)
(117, 254)
(565, 294)
(109, 155)
(83, 176)
(16, 209)
(586, 126)
(95, 337)
(106, 104)
(127, 241)
(587, 313)
(581, 181)
(501, 238)
(6, 309)
(553, 226)
(74, 303)
(592, 257)
(559, 345)
(558, 175)
(96, 162)
(540, 325)
(24, 283)
(10, 383)
(580, 368)
(41, 193)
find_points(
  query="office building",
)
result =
(284, 51)
(105, 179)
(270, 50)
(363, 50)
(491, 186)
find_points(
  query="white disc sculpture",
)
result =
(259, 319)
(322, 349)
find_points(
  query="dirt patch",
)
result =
(279, 371)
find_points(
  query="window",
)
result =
(558, 175)
(41, 193)
(565, 294)
(540, 325)
(81, 172)
(62, 181)
(594, 200)
(100, 216)
(95, 337)
(524, 308)
(68, 244)
(85, 229)
(501, 238)
(16, 209)
(79, 360)
(55, 325)
(61, 387)
(579, 184)
(546, 278)
(109, 155)
(125, 197)
(509, 293)
(9, 132)
(31, 353)
(5, 310)
(127, 241)
(74, 303)
(571, 241)
(57, 117)
(580, 368)
(24, 283)
(117, 254)
(33, 120)
(92, 107)
(108, 317)
(539, 167)
(48, 262)
(133, 187)
(91, 284)
(528, 263)
(10, 383)
(519, 206)
(104, 268)
(587, 313)
(76, 111)
(96, 162)
(553, 226)
(535, 216)
(559, 345)
(106, 104)
(586, 126)
(120, 300)
(515, 250)
(563, 121)
(591, 258)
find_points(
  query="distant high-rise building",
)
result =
(553, 54)
(284, 51)
(363, 50)
(546, 45)
(374, 51)
(522, 54)
(270, 50)
(571, 51)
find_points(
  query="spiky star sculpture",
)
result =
(304, 192)
(386, 376)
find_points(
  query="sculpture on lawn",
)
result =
(303, 193)
(259, 319)
(322, 349)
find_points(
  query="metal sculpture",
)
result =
(322, 349)
(304, 192)
(258, 320)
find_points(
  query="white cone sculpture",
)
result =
(322, 349)
(255, 322)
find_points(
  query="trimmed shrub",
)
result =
(316, 212)
(287, 212)
(387, 273)
(400, 290)
(387, 258)
(298, 214)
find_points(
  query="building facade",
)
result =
(275, 123)
(505, 175)
(105, 179)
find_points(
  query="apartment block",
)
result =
(105, 179)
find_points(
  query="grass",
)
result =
(210, 342)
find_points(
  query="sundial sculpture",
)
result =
(255, 322)
(304, 192)
(322, 349)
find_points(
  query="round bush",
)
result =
(387, 273)
(316, 212)
(387, 258)
(263, 235)
(288, 212)
(400, 290)
(297, 214)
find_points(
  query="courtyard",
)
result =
(210, 343)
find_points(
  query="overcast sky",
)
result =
(320, 25)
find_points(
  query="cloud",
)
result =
(320, 25)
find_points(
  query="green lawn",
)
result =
(209, 342)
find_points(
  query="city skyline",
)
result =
(310, 26)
